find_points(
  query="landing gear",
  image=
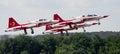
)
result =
(32, 31)
(25, 31)
(61, 33)
(75, 25)
(98, 22)
(84, 29)
(70, 25)
(67, 33)
(43, 33)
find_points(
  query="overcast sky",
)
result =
(27, 10)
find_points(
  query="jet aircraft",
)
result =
(60, 29)
(76, 20)
(14, 26)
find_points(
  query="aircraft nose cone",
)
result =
(105, 16)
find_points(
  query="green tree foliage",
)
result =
(24, 52)
(21, 43)
(74, 44)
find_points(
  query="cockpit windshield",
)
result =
(92, 15)
(42, 19)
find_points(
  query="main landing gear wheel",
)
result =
(99, 23)
(25, 31)
(32, 31)
(84, 29)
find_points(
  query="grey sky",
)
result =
(28, 10)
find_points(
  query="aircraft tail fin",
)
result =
(12, 23)
(57, 17)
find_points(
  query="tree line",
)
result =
(75, 44)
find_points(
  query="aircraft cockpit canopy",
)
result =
(42, 19)
(92, 15)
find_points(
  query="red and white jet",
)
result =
(14, 26)
(65, 28)
(76, 20)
